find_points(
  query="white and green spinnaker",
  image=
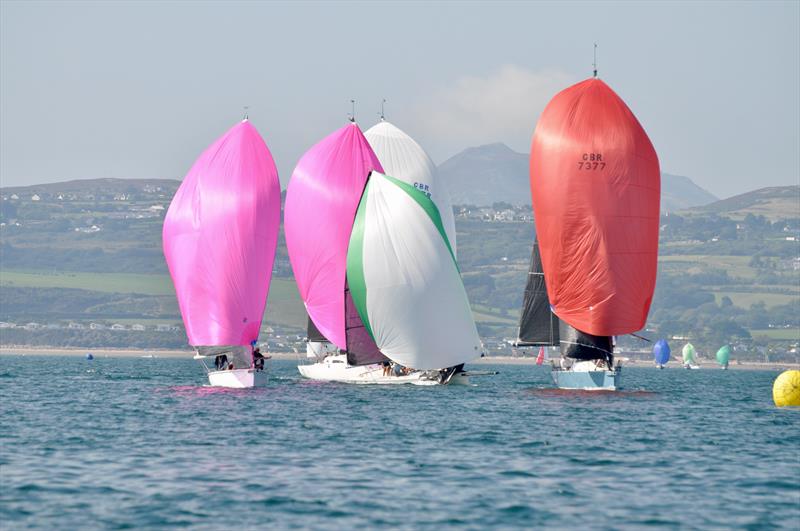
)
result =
(688, 353)
(404, 279)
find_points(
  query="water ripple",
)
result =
(123, 444)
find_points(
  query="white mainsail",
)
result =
(404, 278)
(403, 158)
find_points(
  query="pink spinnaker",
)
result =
(220, 235)
(321, 202)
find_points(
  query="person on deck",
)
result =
(258, 359)
(565, 362)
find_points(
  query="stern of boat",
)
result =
(237, 378)
(596, 380)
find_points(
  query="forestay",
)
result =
(403, 158)
(220, 234)
(405, 281)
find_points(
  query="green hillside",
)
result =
(88, 253)
(774, 203)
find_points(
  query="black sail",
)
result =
(313, 333)
(538, 325)
(361, 348)
(582, 346)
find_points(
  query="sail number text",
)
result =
(424, 188)
(591, 161)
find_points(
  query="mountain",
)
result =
(774, 202)
(486, 174)
(679, 192)
(106, 186)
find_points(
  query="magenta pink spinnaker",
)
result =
(321, 202)
(220, 235)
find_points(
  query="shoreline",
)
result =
(115, 352)
(492, 360)
(743, 365)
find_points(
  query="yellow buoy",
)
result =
(786, 389)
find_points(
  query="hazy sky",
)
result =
(139, 89)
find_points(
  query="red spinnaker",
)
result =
(596, 185)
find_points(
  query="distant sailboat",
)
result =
(540, 357)
(661, 353)
(688, 353)
(723, 356)
(328, 191)
(220, 234)
(595, 186)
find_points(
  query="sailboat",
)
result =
(375, 270)
(688, 354)
(723, 356)
(220, 235)
(661, 353)
(540, 357)
(596, 186)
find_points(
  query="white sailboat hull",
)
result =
(336, 369)
(237, 378)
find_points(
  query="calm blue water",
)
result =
(140, 443)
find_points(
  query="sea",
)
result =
(143, 443)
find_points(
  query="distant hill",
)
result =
(104, 186)
(774, 202)
(679, 192)
(486, 174)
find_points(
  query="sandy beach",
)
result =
(743, 365)
(114, 353)
(6, 350)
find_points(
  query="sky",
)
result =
(139, 89)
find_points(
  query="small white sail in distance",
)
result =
(404, 279)
(403, 158)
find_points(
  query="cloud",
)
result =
(501, 107)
